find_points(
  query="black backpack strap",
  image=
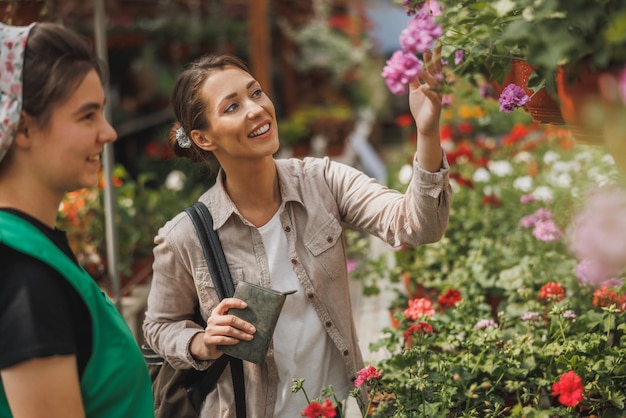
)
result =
(223, 282)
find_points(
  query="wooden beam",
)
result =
(260, 44)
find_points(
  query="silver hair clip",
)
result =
(182, 138)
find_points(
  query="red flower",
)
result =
(315, 410)
(462, 181)
(404, 120)
(465, 128)
(490, 200)
(464, 149)
(418, 328)
(366, 374)
(552, 292)
(445, 132)
(569, 389)
(418, 307)
(605, 297)
(449, 299)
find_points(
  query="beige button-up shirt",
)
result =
(320, 198)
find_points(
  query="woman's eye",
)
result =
(231, 108)
(257, 93)
(89, 116)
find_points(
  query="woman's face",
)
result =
(241, 117)
(66, 151)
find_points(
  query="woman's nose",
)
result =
(254, 110)
(107, 132)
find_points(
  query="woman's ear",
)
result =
(202, 141)
(22, 136)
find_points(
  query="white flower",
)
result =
(565, 166)
(481, 175)
(524, 183)
(523, 157)
(175, 180)
(543, 193)
(551, 157)
(405, 174)
(562, 180)
(500, 168)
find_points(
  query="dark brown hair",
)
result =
(188, 105)
(56, 61)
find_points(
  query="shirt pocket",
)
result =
(206, 287)
(327, 248)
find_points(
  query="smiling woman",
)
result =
(56, 324)
(281, 224)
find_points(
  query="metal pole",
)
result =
(110, 207)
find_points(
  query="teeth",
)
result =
(94, 158)
(260, 131)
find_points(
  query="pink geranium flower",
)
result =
(367, 374)
(418, 307)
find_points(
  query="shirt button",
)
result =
(345, 352)
(310, 295)
(294, 261)
(328, 324)
(287, 229)
(329, 239)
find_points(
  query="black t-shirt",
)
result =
(41, 314)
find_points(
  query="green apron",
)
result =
(115, 382)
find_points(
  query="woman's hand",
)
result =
(425, 103)
(221, 329)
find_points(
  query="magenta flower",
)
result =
(527, 198)
(512, 96)
(459, 55)
(420, 33)
(400, 70)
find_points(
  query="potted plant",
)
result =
(142, 208)
(483, 38)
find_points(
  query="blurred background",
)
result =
(320, 61)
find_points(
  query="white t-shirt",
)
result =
(302, 348)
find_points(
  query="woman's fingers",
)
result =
(227, 329)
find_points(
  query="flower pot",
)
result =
(581, 107)
(541, 106)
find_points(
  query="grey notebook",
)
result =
(264, 306)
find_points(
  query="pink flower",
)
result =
(459, 55)
(485, 324)
(527, 198)
(596, 275)
(400, 70)
(547, 231)
(569, 389)
(512, 96)
(420, 33)
(367, 374)
(599, 227)
(418, 307)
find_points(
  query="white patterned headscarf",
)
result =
(12, 45)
